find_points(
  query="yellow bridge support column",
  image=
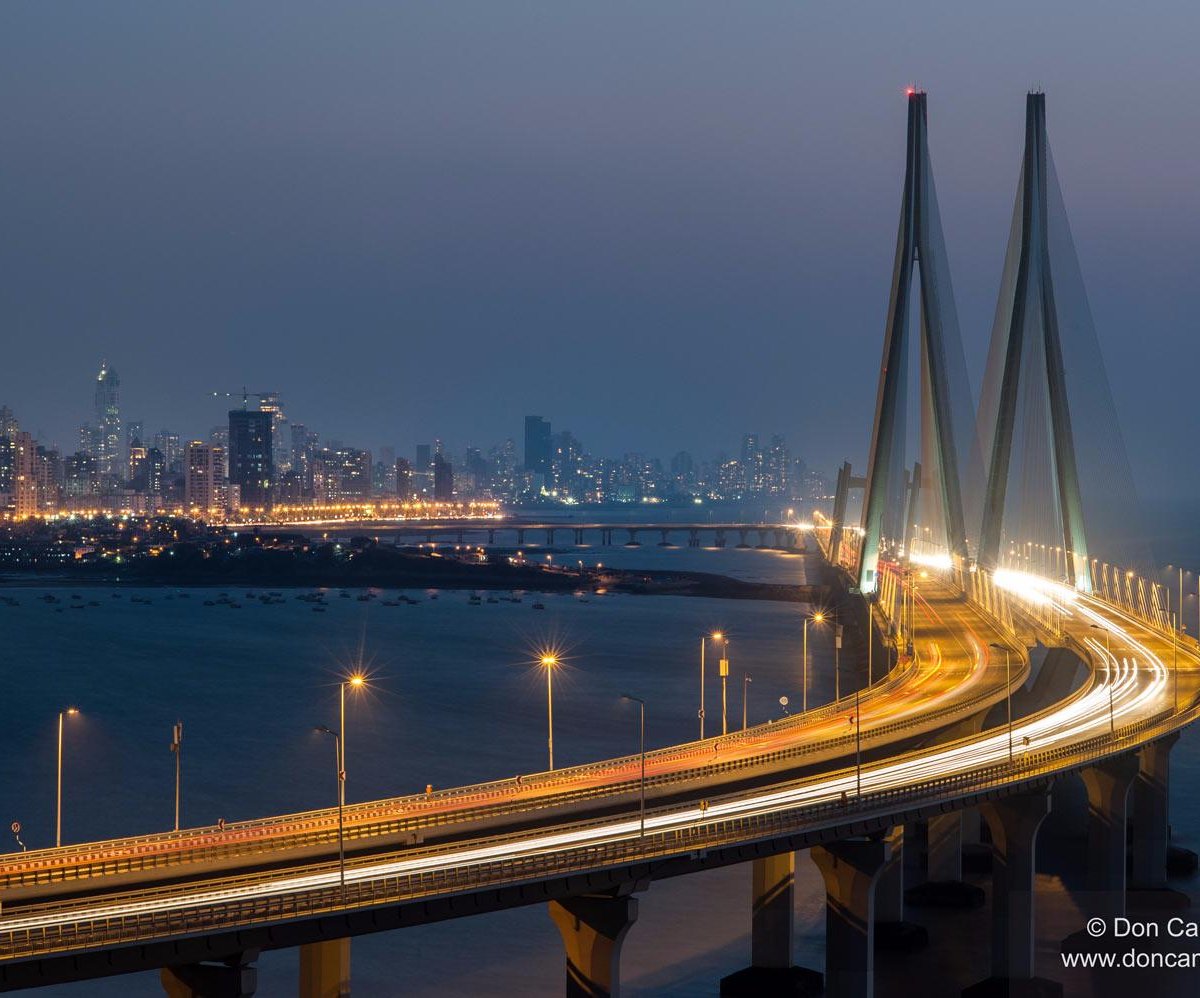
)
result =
(325, 969)
(593, 927)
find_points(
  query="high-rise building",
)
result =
(135, 471)
(106, 424)
(172, 451)
(347, 473)
(81, 477)
(251, 456)
(537, 445)
(269, 402)
(204, 479)
(304, 446)
(443, 479)
(48, 477)
(24, 493)
(404, 482)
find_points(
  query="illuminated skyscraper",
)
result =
(251, 455)
(107, 423)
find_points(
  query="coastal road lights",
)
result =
(816, 618)
(1108, 669)
(355, 681)
(65, 712)
(549, 663)
(704, 638)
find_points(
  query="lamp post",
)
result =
(341, 778)
(723, 669)
(837, 658)
(716, 636)
(642, 751)
(857, 746)
(1112, 717)
(177, 751)
(816, 618)
(356, 681)
(1007, 694)
(66, 712)
(548, 663)
(746, 681)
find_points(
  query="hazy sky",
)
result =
(660, 224)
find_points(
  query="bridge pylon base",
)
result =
(593, 928)
(236, 977)
(772, 908)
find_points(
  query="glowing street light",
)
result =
(715, 636)
(355, 681)
(548, 663)
(642, 750)
(816, 618)
(66, 712)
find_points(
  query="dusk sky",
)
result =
(659, 224)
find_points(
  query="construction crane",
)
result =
(246, 395)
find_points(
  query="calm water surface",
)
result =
(455, 698)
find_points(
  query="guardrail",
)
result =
(508, 871)
(487, 800)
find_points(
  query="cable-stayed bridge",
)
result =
(973, 546)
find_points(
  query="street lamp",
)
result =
(1007, 694)
(723, 669)
(355, 681)
(177, 751)
(548, 663)
(642, 751)
(816, 618)
(1112, 720)
(746, 681)
(715, 636)
(341, 778)
(66, 712)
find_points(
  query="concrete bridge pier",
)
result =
(633, 542)
(325, 969)
(606, 537)
(578, 537)
(1014, 823)
(520, 538)
(771, 972)
(666, 539)
(892, 932)
(851, 869)
(550, 537)
(1150, 815)
(593, 927)
(693, 538)
(719, 539)
(234, 977)
(1107, 784)
(491, 537)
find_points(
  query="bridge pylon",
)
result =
(1025, 396)
(946, 409)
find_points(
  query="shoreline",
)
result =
(450, 576)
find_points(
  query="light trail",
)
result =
(1133, 686)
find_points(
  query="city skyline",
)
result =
(645, 228)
